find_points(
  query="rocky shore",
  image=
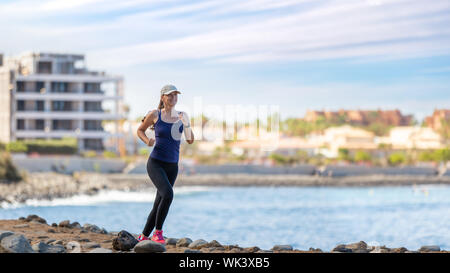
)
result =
(50, 185)
(34, 235)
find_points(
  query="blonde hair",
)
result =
(160, 106)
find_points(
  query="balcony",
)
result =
(68, 115)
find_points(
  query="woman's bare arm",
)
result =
(188, 133)
(148, 121)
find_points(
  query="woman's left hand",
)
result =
(184, 118)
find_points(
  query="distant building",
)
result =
(50, 96)
(361, 117)
(346, 137)
(410, 137)
(436, 120)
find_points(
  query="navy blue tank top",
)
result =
(167, 140)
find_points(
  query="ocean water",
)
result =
(304, 217)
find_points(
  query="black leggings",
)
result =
(163, 175)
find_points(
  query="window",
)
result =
(20, 105)
(39, 105)
(20, 86)
(64, 67)
(61, 124)
(61, 105)
(60, 87)
(39, 124)
(92, 106)
(91, 87)
(39, 86)
(93, 125)
(20, 124)
(44, 67)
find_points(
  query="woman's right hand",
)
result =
(151, 141)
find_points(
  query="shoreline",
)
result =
(50, 185)
(34, 234)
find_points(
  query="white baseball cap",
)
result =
(169, 88)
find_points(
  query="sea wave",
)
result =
(105, 196)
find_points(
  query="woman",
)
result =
(162, 164)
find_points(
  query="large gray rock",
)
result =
(100, 250)
(5, 233)
(282, 247)
(124, 241)
(183, 242)
(42, 247)
(65, 223)
(75, 225)
(214, 243)
(197, 244)
(149, 246)
(74, 247)
(430, 248)
(34, 217)
(357, 247)
(341, 248)
(171, 241)
(94, 228)
(16, 243)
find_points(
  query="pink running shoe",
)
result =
(142, 237)
(158, 237)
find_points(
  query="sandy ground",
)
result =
(37, 232)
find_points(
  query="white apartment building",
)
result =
(50, 96)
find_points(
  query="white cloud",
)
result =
(120, 35)
(235, 31)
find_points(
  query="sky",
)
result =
(296, 54)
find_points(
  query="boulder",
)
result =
(183, 242)
(282, 247)
(42, 247)
(74, 246)
(149, 246)
(214, 243)
(94, 228)
(34, 217)
(75, 225)
(124, 241)
(252, 249)
(171, 241)
(5, 233)
(16, 243)
(399, 250)
(197, 244)
(65, 223)
(430, 248)
(341, 248)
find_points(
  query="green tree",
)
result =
(279, 159)
(442, 155)
(344, 154)
(8, 171)
(426, 156)
(397, 158)
(16, 147)
(362, 156)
